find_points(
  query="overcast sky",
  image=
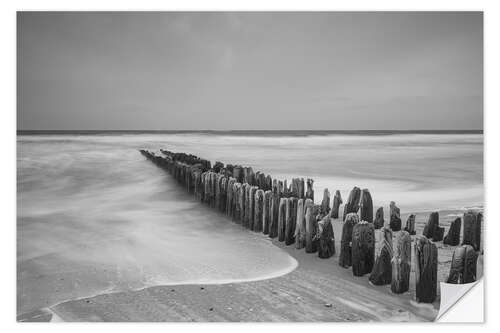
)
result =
(250, 71)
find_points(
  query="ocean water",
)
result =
(94, 216)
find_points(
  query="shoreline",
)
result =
(316, 290)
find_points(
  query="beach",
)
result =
(104, 235)
(317, 290)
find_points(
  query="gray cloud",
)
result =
(250, 70)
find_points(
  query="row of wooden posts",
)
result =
(263, 204)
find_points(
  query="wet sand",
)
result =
(317, 290)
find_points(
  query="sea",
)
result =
(94, 216)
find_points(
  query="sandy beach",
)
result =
(317, 290)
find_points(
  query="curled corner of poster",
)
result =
(462, 303)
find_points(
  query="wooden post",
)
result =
(273, 225)
(453, 236)
(244, 207)
(410, 224)
(231, 197)
(258, 213)
(286, 189)
(337, 201)
(218, 189)
(388, 236)
(238, 173)
(463, 265)
(472, 229)
(251, 210)
(224, 181)
(282, 219)
(269, 183)
(432, 224)
(246, 197)
(311, 227)
(379, 218)
(395, 217)
(240, 203)
(352, 204)
(295, 187)
(290, 220)
(401, 263)
(425, 270)
(325, 203)
(326, 247)
(266, 212)
(261, 180)
(366, 206)
(310, 191)
(382, 270)
(300, 226)
(213, 184)
(301, 188)
(345, 257)
(363, 248)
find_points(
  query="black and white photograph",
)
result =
(247, 166)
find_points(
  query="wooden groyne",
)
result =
(288, 213)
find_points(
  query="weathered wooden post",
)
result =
(266, 212)
(246, 199)
(432, 230)
(282, 219)
(395, 217)
(295, 187)
(401, 263)
(291, 217)
(453, 236)
(310, 191)
(463, 265)
(261, 180)
(301, 188)
(213, 184)
(238, 173)
(425, 270)
(326, 247)
(379, 218)
(387, 233)
(472, 229)
(238, 202)
(223, 186)
(366, 206)
(300, 226)
(337, 201)
(251, 203)
(273, 225)
(229, 196)
(345, 256)
(352, 204)
(382, 270)
(325, 203)
(269, 183)
(311, 227)
(410, 224)
(432, 224)
(363, 248)
(258, 213)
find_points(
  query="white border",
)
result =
(8, 132)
